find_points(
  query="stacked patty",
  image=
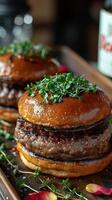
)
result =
(90, 142)
(16, 71)
(67, 139)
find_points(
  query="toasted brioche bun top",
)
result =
(71, 112)
(20, 68)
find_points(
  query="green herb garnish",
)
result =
(4, 122)
(26, 48)
(41, 50)
(6, 135)
(53, 88)
(68, 193)
(17, 48)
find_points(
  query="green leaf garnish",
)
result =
(17, 48)
(66, 183)
(26, 48)
(53, 88)
(6, 135)
(36, 173)
(41, 50)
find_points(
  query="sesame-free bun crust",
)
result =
(71, 112)
(20, 68)
(63, 169)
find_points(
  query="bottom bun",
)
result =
(8, 114)
(63, 169)
(8, 117)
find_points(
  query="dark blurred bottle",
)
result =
(105, 40)
(71, 25)
(15, 21)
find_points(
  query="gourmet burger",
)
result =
(63, 128)
(21, 63)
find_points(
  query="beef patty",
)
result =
(65, 144)
(10, 93)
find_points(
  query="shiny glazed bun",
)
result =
(20, 64)
(25, 69)
(71, 112)
(25, 62)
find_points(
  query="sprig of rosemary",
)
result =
(26, 48)
(69, 190)
(53, 88)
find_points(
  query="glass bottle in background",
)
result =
(15, 21)
(105, 40)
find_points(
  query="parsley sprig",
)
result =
(26, 48)
(53, 88)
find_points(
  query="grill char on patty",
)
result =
(88, 142)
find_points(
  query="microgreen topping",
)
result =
(41, 50)
(26, 48)
(53, 88)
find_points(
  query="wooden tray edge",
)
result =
(10, 189)
(90, 72)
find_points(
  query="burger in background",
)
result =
(20, 64)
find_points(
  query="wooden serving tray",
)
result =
(79, 66)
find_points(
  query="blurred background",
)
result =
(73, 23)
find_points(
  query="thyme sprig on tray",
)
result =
(53, 88)
(26, 48)
(68, 193)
